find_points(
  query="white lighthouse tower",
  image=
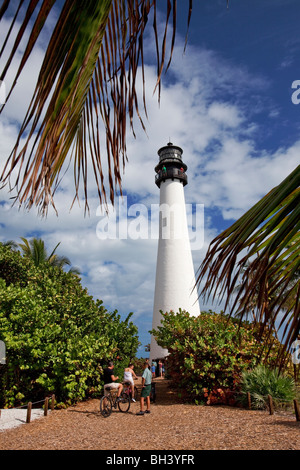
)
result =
(175, 275)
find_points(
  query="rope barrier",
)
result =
(263, 396)
(23, 406)
(29, 407)
(270, 401)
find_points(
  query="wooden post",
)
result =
(297, 410)
(52, 402)
(271, 407)
(28, 418)
(249, 400)
(46, 406)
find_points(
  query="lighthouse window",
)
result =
(164, 221)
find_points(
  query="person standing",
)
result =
(146, 390)
(160, 365)
(153, 370)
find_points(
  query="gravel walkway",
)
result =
(170, 426)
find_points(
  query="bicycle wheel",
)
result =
(105, 406)
(124, 403)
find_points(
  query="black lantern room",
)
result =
(170, 165)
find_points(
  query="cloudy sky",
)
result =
(229, 102)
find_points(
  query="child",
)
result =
(128, 373)
(153, 369)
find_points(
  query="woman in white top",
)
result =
(128, 373)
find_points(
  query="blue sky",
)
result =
(227, 102)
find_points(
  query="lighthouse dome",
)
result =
(170, 165)
(170, 152)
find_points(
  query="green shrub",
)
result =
(261, 382)
(57, 337)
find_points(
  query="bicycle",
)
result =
(110, 401)
(127, 390)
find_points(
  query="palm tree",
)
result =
(263, 249)
(89, 74)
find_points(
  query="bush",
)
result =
(261, 382)
(57, 337)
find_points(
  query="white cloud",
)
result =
(225, 114)
(238, 176)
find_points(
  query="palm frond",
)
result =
(35, 249)
(258, 260)
(88, 77)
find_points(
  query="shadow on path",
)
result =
(165, 395)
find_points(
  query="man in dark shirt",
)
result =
(110, 380)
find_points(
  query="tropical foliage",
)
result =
(36, 250)
(89, 75)
(255, 263)
(208, 353)
(57, 337)
(261, 382)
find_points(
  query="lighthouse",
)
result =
(175, 275)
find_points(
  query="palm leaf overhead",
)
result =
(258, 260)
(88, 77)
